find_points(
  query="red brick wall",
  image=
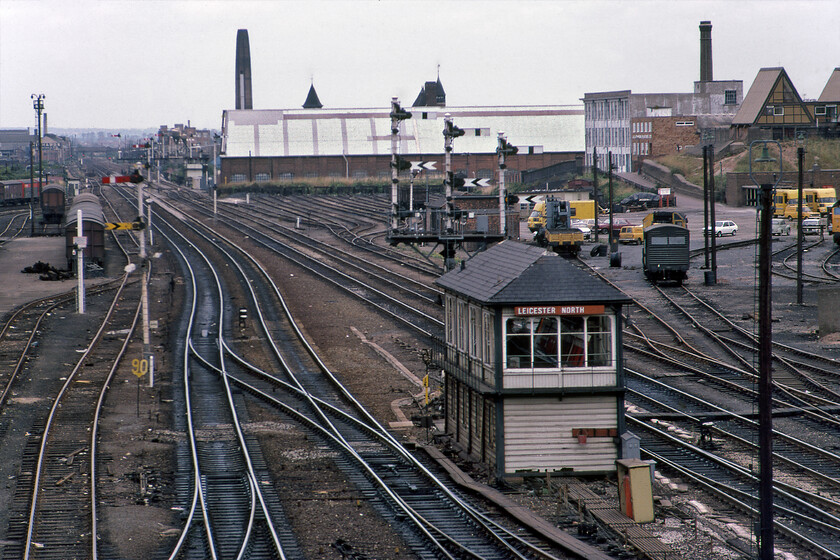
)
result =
(374, 166)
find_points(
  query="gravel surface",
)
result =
(320, 502)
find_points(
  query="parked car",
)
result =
(631, 234)
(812, 226)
(723, 227)
(584, 227)
(779, 227)
(640, 201)
(618, 223)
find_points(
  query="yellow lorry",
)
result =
(581, 210)
(820, 200)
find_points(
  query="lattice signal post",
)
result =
(445, 226)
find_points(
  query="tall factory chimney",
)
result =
(243, 71)
(706, 51)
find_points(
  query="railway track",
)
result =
(58, 467)
(702, 387)
(452, 529)
(420, 310)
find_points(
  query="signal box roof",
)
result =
(511, 273)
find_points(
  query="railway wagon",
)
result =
(93, 227)
(18, 191)
(665, 253)
(52, 204)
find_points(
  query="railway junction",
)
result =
(145, 483)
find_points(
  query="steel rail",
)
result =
(372, 422)
(255, 492)
(51, 416)
(382, 433)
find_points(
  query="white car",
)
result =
(584, 227)
(780, 226)
(812, 226)
(724, 227)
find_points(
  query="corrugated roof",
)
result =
(756, 98)
(515, 273)
(91, 208)
(308, 132)
(831, 92)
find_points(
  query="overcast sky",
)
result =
(144, 63)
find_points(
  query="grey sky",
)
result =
(109, 64)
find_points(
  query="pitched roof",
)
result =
(441, 94)
(512, 273)
(421, 98)
(831, 92)
(756, 98)
(312, 101)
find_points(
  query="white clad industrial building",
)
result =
(264, 145)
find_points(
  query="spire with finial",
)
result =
(312, 101)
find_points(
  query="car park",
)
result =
(631, 234)
(779, 227)
(723, 227)
(812, 226)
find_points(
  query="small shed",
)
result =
(532, 363)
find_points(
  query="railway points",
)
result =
(734, 271)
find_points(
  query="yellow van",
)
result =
(791, 211)
(631, 234)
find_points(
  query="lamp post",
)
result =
(38, 105)
(765, 352)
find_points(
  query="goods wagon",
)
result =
(18, 191)
(93, 227)
(52, 204)
(665, 253)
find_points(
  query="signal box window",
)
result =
(558, 342)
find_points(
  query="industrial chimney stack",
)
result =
(243, 71)
(706, 51)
